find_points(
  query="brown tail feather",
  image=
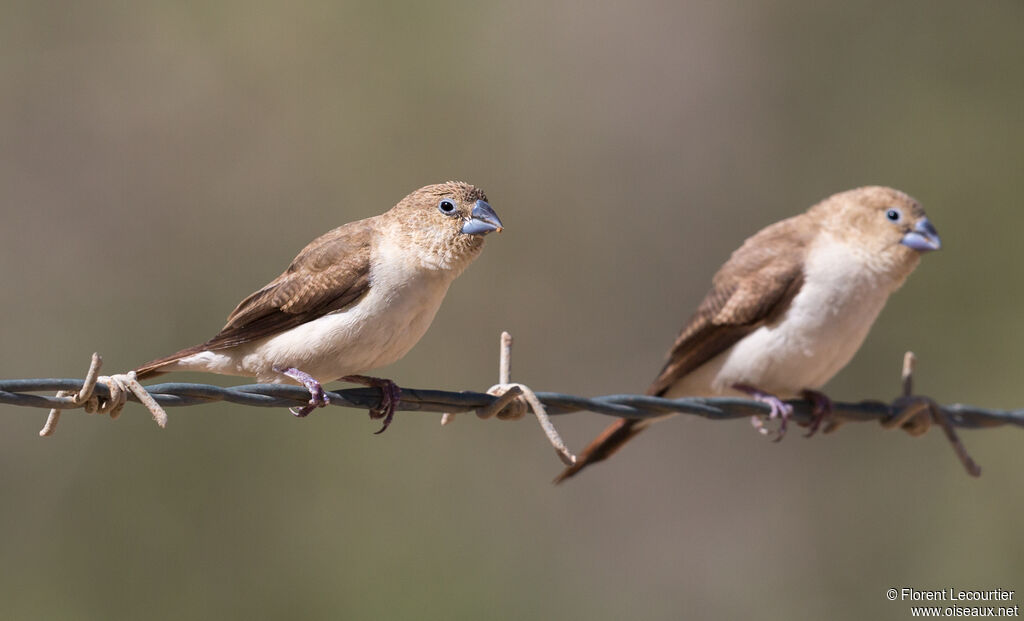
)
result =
(604, 445)
(153, 367)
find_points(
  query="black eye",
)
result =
(446, 206)
(894, 215)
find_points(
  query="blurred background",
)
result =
(159, 162)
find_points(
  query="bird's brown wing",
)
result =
(329, 275)
(754, 286)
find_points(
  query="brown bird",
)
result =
(356, 298)
(789, 308)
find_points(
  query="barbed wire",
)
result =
(506, 400)
(182, 394)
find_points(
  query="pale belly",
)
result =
(375, 332)
(784, 358)
(818, 335)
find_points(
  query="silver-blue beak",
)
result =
(923, 238)
(482, 220)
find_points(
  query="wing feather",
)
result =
(329, 275)
(755, 285)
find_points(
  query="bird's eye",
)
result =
(894, 215)
(446, 206)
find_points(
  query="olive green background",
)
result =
(159, 161)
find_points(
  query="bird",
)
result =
(789, 309)
(354, 299)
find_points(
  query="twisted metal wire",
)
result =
(17, 392)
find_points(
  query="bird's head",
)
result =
(447, 222)
(887, 224)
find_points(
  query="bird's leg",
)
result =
(822, 409)
(779, 409)
(317, 397)
(390, 395)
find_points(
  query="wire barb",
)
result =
(915, 413)
(513, 399)
(118, 386)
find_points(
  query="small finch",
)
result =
(355, 299)
(790, 308)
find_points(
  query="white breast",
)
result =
(823, 328)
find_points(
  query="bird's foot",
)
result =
(390, 395)
(779, 410)
(822, 410)
(317, 396)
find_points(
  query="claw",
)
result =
(779, 409)
(303, 411)
(822, 409)
(317, 396)
(390, 396)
